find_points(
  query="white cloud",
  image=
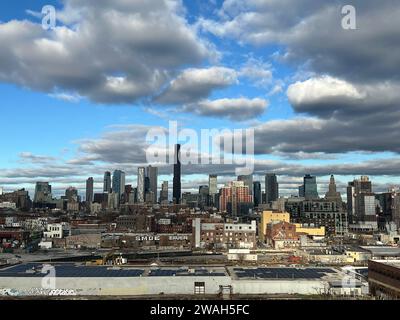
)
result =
(110, 52)
(66, 97)
(315, 89)
(257, 71)
(328, 97)
(239, 109)
(310, 31)
(194, 84)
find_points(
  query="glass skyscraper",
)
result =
(152, 174)
(118, 182)
(89, 190)
(257, 193)
(107, 182)
(176, 185)
(248, 182)
(309, 188)
(271, 188)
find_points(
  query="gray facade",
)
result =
(141, 175)
(271, 188)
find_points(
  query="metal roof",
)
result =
(68, 270)
(283, 273)
(180, 273)
(383, 250)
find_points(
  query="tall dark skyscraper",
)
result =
(164, 192)
(257, 193)
(248, 181)
(42, 192)
(204, 195)
(107, 182)
(118, 182)
(176, 184)
(309, 189)
(152, 174)
(89, 190)
(271, 188)
(146, 185)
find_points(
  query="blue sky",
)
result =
(74, 99)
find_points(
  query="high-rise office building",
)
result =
(248, 181)
(150, 197)
(129, 196)
(71, 194)
(152, 174)
(271, 188)
(235, 199)
(107, 182)
(146, 186)
(113, 200)
(332, 194)
(42, 192)
(212, 184)
(361, 203)
(141, 184)
(301, 191)
(164, 192)
(204, 195)
(257, 193)
(309, 188)
(101, 198)
(389, 206)
(176, 185)
(89, 190)
(118, 182)
(133, 196)
(213, 189)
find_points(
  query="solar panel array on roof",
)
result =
(68, 270)
(184, 272)
(282, 273)
(363, 272)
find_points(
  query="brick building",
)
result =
(221, 235)
(282, 235)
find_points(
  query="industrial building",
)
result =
(384, 278)
(71, 279)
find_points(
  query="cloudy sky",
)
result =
(79, 99)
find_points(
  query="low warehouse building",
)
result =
(35, 279)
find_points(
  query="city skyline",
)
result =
(223, 151)
(324, 188)
(219, 74)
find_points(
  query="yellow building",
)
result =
(311, 231)
(268, 217)
(357, 255)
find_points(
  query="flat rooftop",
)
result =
(383, 250)
(80, 270)
(67, 270)
(393, 263)
(307, 273)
